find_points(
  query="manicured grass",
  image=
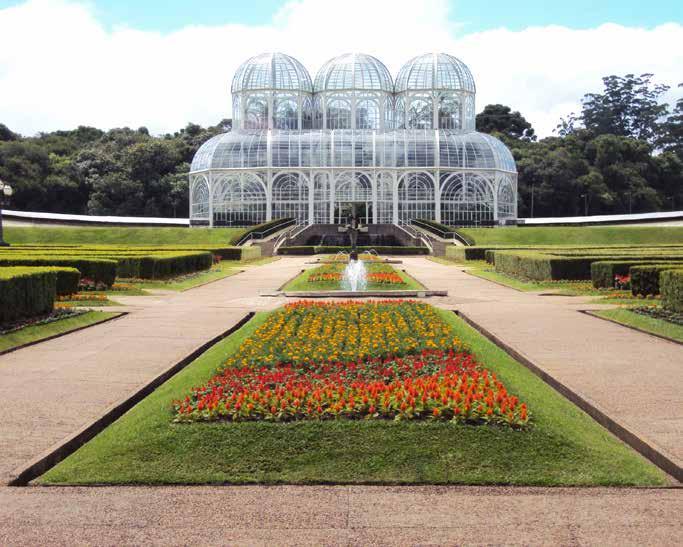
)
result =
(38, 332)
(91, 303)
(642, 322)
(575, 235)
(301, 283)
(569, 288)
(120, 235)
(563, 447)
(184, 283)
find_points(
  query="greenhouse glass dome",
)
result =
(307, 148)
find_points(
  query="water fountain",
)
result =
(355, 273)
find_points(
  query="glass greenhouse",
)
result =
(399, 151)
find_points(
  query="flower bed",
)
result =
(391, 360)
(377, 274)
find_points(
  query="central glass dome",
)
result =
(354, 71)
(308, 150)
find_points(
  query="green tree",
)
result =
(628, 107)
(497, 118)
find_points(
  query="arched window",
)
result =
(338, 114)
(506, 199)
(367, 114)
(420, 114)
(286, 114)
(466, 200)
(256, 113)
(290, 196)
(200, 199)
(449, 113)
(415, 197)
(239, 200)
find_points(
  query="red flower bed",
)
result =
(441, 384)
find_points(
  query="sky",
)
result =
(162, 64)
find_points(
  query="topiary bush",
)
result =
(645, 279)
(671, 284)
(26, 292)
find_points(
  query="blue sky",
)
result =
(114, 63)
(473, 15)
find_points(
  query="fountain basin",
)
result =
(409, 293)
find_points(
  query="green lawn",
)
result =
(301, 283)
(563, 447)
(576, 235)
(642, 322)
(120, 235)
(190, 281)
(35, 333)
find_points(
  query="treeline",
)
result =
(88, 171)
(622, 153)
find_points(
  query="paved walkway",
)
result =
(337, 515)
(632, 377)
(51, 390)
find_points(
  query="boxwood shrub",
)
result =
(671, 284)
(603, 272)
(26, 292)
(97, 269)
(645, 279)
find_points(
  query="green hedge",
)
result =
(671, 284)
(544, 266)
(97, 269)
(603, 273)
(645, 279)
(160, 266)
(26, 292)
(311, 250)
(67, 280)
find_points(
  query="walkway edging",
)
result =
(68, 446)
(640, 445)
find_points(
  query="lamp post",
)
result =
(5, 193)
(585, 204)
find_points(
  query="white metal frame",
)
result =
(406, 150)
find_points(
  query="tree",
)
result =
(672, 137)
(628, 107)
(497, 118)
(6, 134)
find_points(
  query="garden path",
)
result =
(633, 378)
(339, 515)
(51, 390)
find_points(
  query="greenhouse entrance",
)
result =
(342, 212)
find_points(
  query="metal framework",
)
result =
(302, 149)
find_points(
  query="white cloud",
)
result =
(60, 67)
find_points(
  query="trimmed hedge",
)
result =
(645, 279)
(67, 280)
(26, 292)
(97, 269)
(671, 284)
(603, 273)
(160, 266)
(542, 267)
(311, 250)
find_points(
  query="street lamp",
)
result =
(585, 204)
(5, 194)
